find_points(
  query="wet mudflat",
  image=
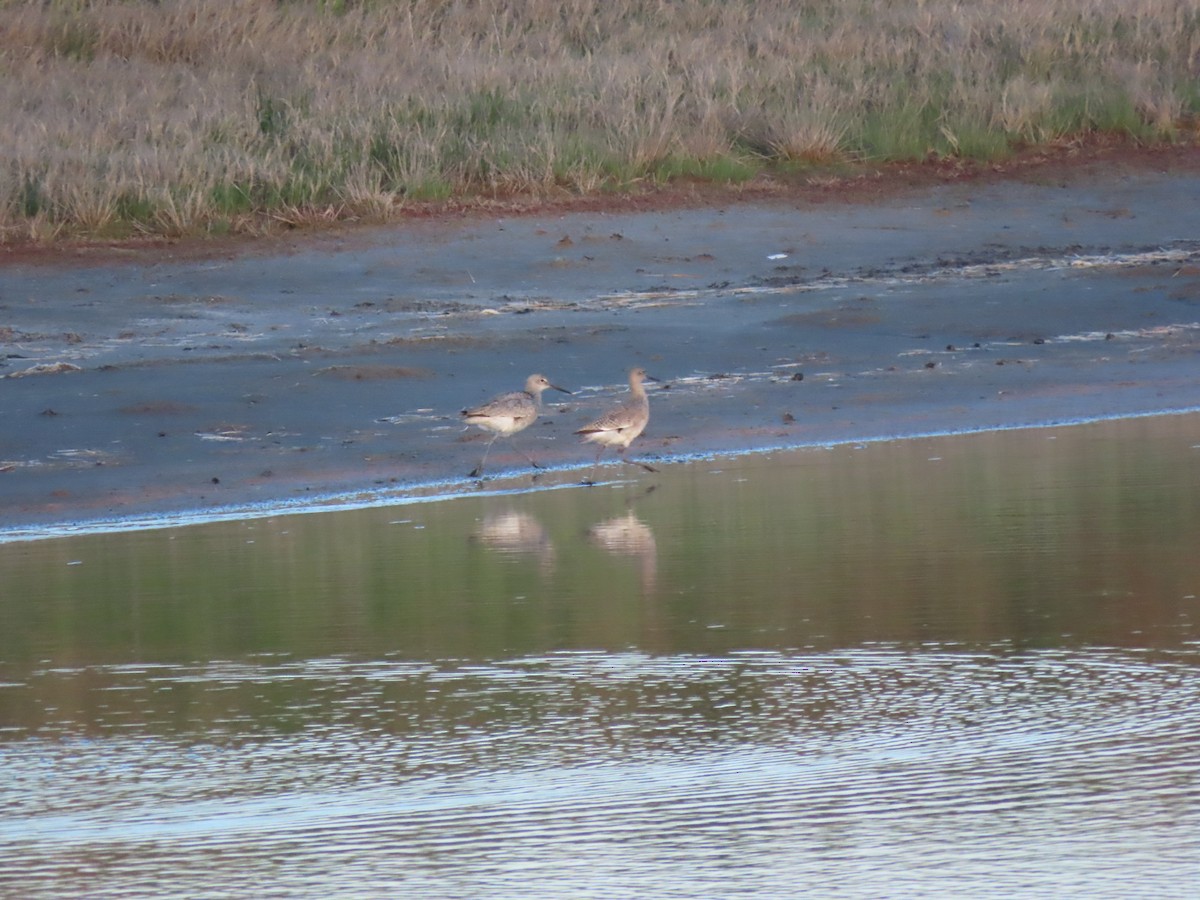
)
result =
(157, 385)
(958, 666)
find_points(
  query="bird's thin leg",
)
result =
(589, 479)
(532, 461)
(477, 472)
(634, 462)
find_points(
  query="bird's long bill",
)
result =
(557, 388)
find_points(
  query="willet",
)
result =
(508, 414)
(618, 427)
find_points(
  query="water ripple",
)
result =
(869, 772)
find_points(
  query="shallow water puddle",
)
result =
(954, 666)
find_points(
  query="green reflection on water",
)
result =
(1076, 535)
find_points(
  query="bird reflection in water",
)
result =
(628, 535)
(518, 534)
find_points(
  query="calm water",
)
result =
(966, 666)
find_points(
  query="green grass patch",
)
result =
(970, 140)
(1088, 110)
(908, 131)
(31, 199)
(233, 198)
(717, 169)
(73, 38)
(135, 208)
(273, 116)
(428, 190)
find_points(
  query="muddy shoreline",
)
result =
(150, 382)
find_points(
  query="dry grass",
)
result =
(186, 116)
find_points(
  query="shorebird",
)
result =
(619, 426)
(508, 414)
